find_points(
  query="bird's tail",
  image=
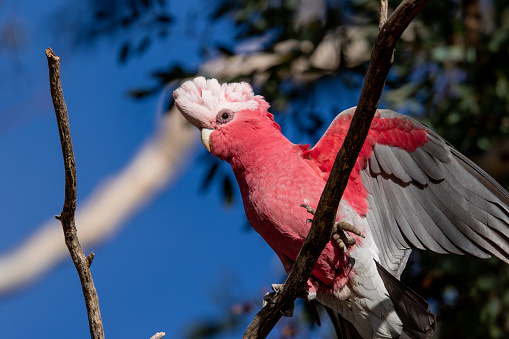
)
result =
(418, 321)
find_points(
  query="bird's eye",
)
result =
(224, 116)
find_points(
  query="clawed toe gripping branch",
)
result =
(338, 230)
(288, 310)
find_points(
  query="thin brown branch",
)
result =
(320, 232)
(67, 216)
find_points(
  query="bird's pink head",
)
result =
(201, 101)
(211, 106)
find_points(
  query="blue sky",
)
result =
(174, 262)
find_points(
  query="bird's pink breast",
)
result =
(272, 200)
(275, 177)
(274, 181)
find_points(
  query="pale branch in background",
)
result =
(320, 232)
(112, 202)
(81, 261)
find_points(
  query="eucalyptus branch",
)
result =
(66, 218)
(320, 232)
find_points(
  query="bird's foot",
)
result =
(338, 230)
(287, 311)
(307, 295)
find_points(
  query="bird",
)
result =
(409, 189)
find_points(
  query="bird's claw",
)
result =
(287, 311)
(306, 295)
(309, 209)
(338, 230)
(269, 299)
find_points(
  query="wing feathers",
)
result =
(394, 252)
(373, 165)
(434, 198)
(452, 239)
(390, 164)
(483, 178)
(461, 223)
(478, 245)
(420, 221)
(410, 166)
(481, 198)
(436, 147)
(382, 159)
(394, 210)
(427, 164)
(421, 193)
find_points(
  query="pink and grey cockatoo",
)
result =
(409, 189)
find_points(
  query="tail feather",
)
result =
(344, 329)
(418, 321)
(349, 329)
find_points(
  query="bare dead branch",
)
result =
(67, 216)
(320, 232)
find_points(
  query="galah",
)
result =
(409, 189)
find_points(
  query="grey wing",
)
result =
(433, 198)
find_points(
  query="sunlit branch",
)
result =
(79, 258)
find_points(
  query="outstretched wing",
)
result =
(417, 191)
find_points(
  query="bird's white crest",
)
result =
(199, 100)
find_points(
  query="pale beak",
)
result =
(205, 135)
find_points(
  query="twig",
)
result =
(320, 232)
(384, 7)
(67, 216)
(158, 335)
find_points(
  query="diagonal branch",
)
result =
(81, 262)
(320, 232)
